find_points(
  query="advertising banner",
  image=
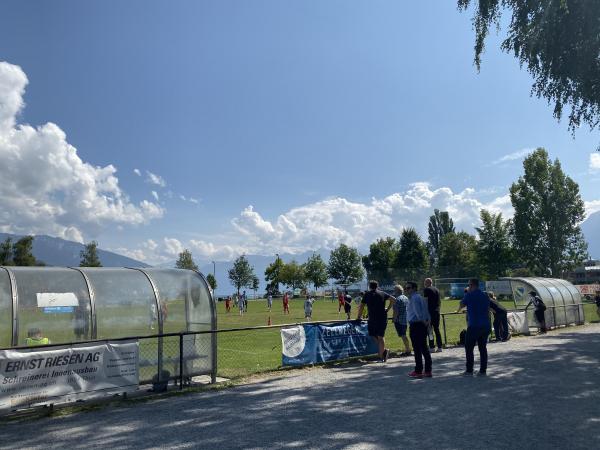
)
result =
(59, 375)
(317, 343)
(588, 289)
(517, 322)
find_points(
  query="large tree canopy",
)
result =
(559, 43)
(548, 211)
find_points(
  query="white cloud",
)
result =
(513, 156)
(46, 187)
(194, 200)
(327, 223)
(203, 249)
(591, 207)
(595, 162)
(155, 179)
(155, 195)
(182, 197)
(137, 172)
(173, 247)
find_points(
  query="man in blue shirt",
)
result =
(418, 318)
(478, 326)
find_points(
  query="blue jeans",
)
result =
(477, 335)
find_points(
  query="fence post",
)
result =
(180, 361)
(444, 324)
(213, 374)
(554, 317)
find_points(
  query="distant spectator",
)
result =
(399, 317)
(245, 298)
(308, 307)
(269, 302)
(539, 310)
(241, 306)
(500, 319)
(478, 328)
(418, 318)
(228, 303)
(375, 302)
(597, 300)
(35, 337)
(347, 305)
(286, 303)
(432, 295)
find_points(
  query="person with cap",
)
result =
(539, 310)
(478, 326)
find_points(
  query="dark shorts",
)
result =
(347, 308)
(377, 328)
(400, 329)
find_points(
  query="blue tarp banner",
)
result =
(317, 343)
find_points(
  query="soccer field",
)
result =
(243, 352)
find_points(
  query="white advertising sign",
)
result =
(50, 299)
(517, 322)
(29, 378)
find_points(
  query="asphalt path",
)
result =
(540, 392)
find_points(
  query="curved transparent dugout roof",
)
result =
(68, 305)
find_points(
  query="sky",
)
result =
(230, 127)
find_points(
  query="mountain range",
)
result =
(60, 252)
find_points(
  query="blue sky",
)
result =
(268, 125)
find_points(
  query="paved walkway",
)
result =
(541, 392)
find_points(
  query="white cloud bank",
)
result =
(595, 162)
(46, 187)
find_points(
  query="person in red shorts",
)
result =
(286, 303)
(228, 304)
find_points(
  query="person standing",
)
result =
(347, 305)
(245, 297)
(375, 301)
(597, 301)
(286, 303)
(539, 310)
(308, 307)
(399, 317)
(269, 302)
(432, 295)
(478, 326)
(228, 304)
(500, 319)
(340, 302)
(418, 318)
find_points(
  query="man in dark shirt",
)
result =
(375, 301)
(478, 326)
(432, 296)
(597, 300)
(500, 319)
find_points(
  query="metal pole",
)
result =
(180, 362)
(444, 323)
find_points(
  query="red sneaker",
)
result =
(415, 374)
(428, 375)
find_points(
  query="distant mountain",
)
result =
(60, 252)
(591, 231)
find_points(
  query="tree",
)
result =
(548, 211)
(412, 257)
(89, 256)
(6, 252)
(494, 250)
(241, 274)
(212, 281)
(255, 284)
(316, 270)
(440, 224)
(345, 265)
(458, 255)
(381, 257)
(558, 41)
(22, 252)
(293, 275)
(272, 274)
(185, 261)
